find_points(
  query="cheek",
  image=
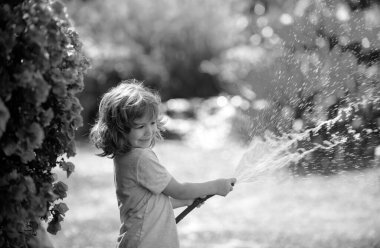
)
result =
(133, 135)
(139, 133)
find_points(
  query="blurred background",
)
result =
(229, 71)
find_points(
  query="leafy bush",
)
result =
(41, 71)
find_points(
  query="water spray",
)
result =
(273, 153)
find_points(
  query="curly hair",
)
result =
(118, 109)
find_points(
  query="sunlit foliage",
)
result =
(162, 43)
(312, 61)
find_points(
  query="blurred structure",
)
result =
(285, 66)
(162, 43)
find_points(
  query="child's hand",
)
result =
(224, 186)
(189, 202)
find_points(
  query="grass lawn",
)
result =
(278, 212)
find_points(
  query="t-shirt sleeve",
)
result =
(151, 174)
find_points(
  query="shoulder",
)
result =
(136, 155)
(130, 158)
(145, 155)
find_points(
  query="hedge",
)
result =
(41, 70)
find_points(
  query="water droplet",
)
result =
(377, 151)
(255, 39)
(242, 22)
(221, 101)
(320, 42)
(342, 12)
(259, 9)
(267, 32)
(286, 19)
(366, 43)
(298, 125)
(344, 40)
(262, 21)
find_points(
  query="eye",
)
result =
(138, 126)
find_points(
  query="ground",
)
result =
(281, 211)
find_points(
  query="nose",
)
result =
(149, 130)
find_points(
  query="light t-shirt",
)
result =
(146, 214)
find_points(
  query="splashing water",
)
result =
(271, 154)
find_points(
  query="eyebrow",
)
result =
(141, 123)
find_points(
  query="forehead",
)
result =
(147, 117)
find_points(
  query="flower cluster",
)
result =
(41, 71)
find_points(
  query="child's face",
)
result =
(142, 134)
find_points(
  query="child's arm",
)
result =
(187, 191)
(176, 203)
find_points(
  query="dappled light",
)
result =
(297, 107)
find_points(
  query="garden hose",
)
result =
(190, 208)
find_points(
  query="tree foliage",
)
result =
(162, 43)
(313, 61)
(41, 71)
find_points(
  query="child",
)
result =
(127, 127)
